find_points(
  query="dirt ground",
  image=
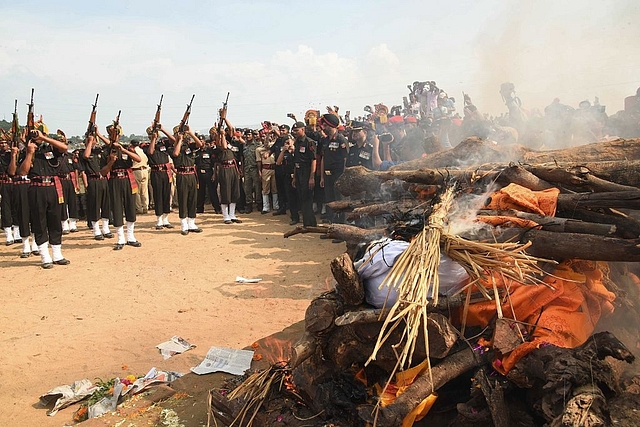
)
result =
(102, 315)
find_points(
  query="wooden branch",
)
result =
(557, 224)
(620, 199)
(320, 315)
(562, 246)
(349, 286)
(347, 205)
(451, 367)
(358, 179)
(517, 174)
(303, 349)
(372, 315)
(626, 227)
(345, 232)
(596, 152)
(385, 208)
(577, 176)
(494, 395)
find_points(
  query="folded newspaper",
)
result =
(174, 346)
(220, 359)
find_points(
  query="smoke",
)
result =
(571, 50)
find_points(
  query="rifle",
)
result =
(221, 121)
(185, 117)
(113, 133)
(156, 119)
(15, 137)
(91, 128)
(31, 125)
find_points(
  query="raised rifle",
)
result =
(31, 123)
(91, 127)
(114, 133)
(185, 117)
(223, 113)
(156, 119)
(15, 128)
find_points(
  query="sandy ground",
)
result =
(102, 315)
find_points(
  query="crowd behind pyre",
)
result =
(45, 189)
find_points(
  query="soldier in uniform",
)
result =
(7, 156)
(360, 151)
(122, 187)
(41, 164)
(251, 174)
(305, 170)
(266, 168)
(334, 156)
(236, 144)
(206, 159)
(286, 162)
(283, 178)
(161, 175)
(69, 178)
(93, 160)
(228, 175)
(184, 160)
(20, 205)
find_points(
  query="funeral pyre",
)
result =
(481, 294)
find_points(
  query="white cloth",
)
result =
(377, 261)
(45, 257)
(130, 227)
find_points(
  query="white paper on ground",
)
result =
(241, 279)
(222, 359)
(174, 346)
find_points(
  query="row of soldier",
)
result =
(276, 168)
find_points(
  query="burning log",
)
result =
(451, 367)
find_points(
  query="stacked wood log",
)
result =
(595, 220)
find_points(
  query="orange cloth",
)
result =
(564, 316)
(403, 380)
(519, 198)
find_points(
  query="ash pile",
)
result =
(483, 294)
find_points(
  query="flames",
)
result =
(273, 350)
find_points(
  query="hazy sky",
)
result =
(279, 57)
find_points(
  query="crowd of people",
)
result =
(277, 169)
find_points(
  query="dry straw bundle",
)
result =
(415, 275)
(255, 390)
